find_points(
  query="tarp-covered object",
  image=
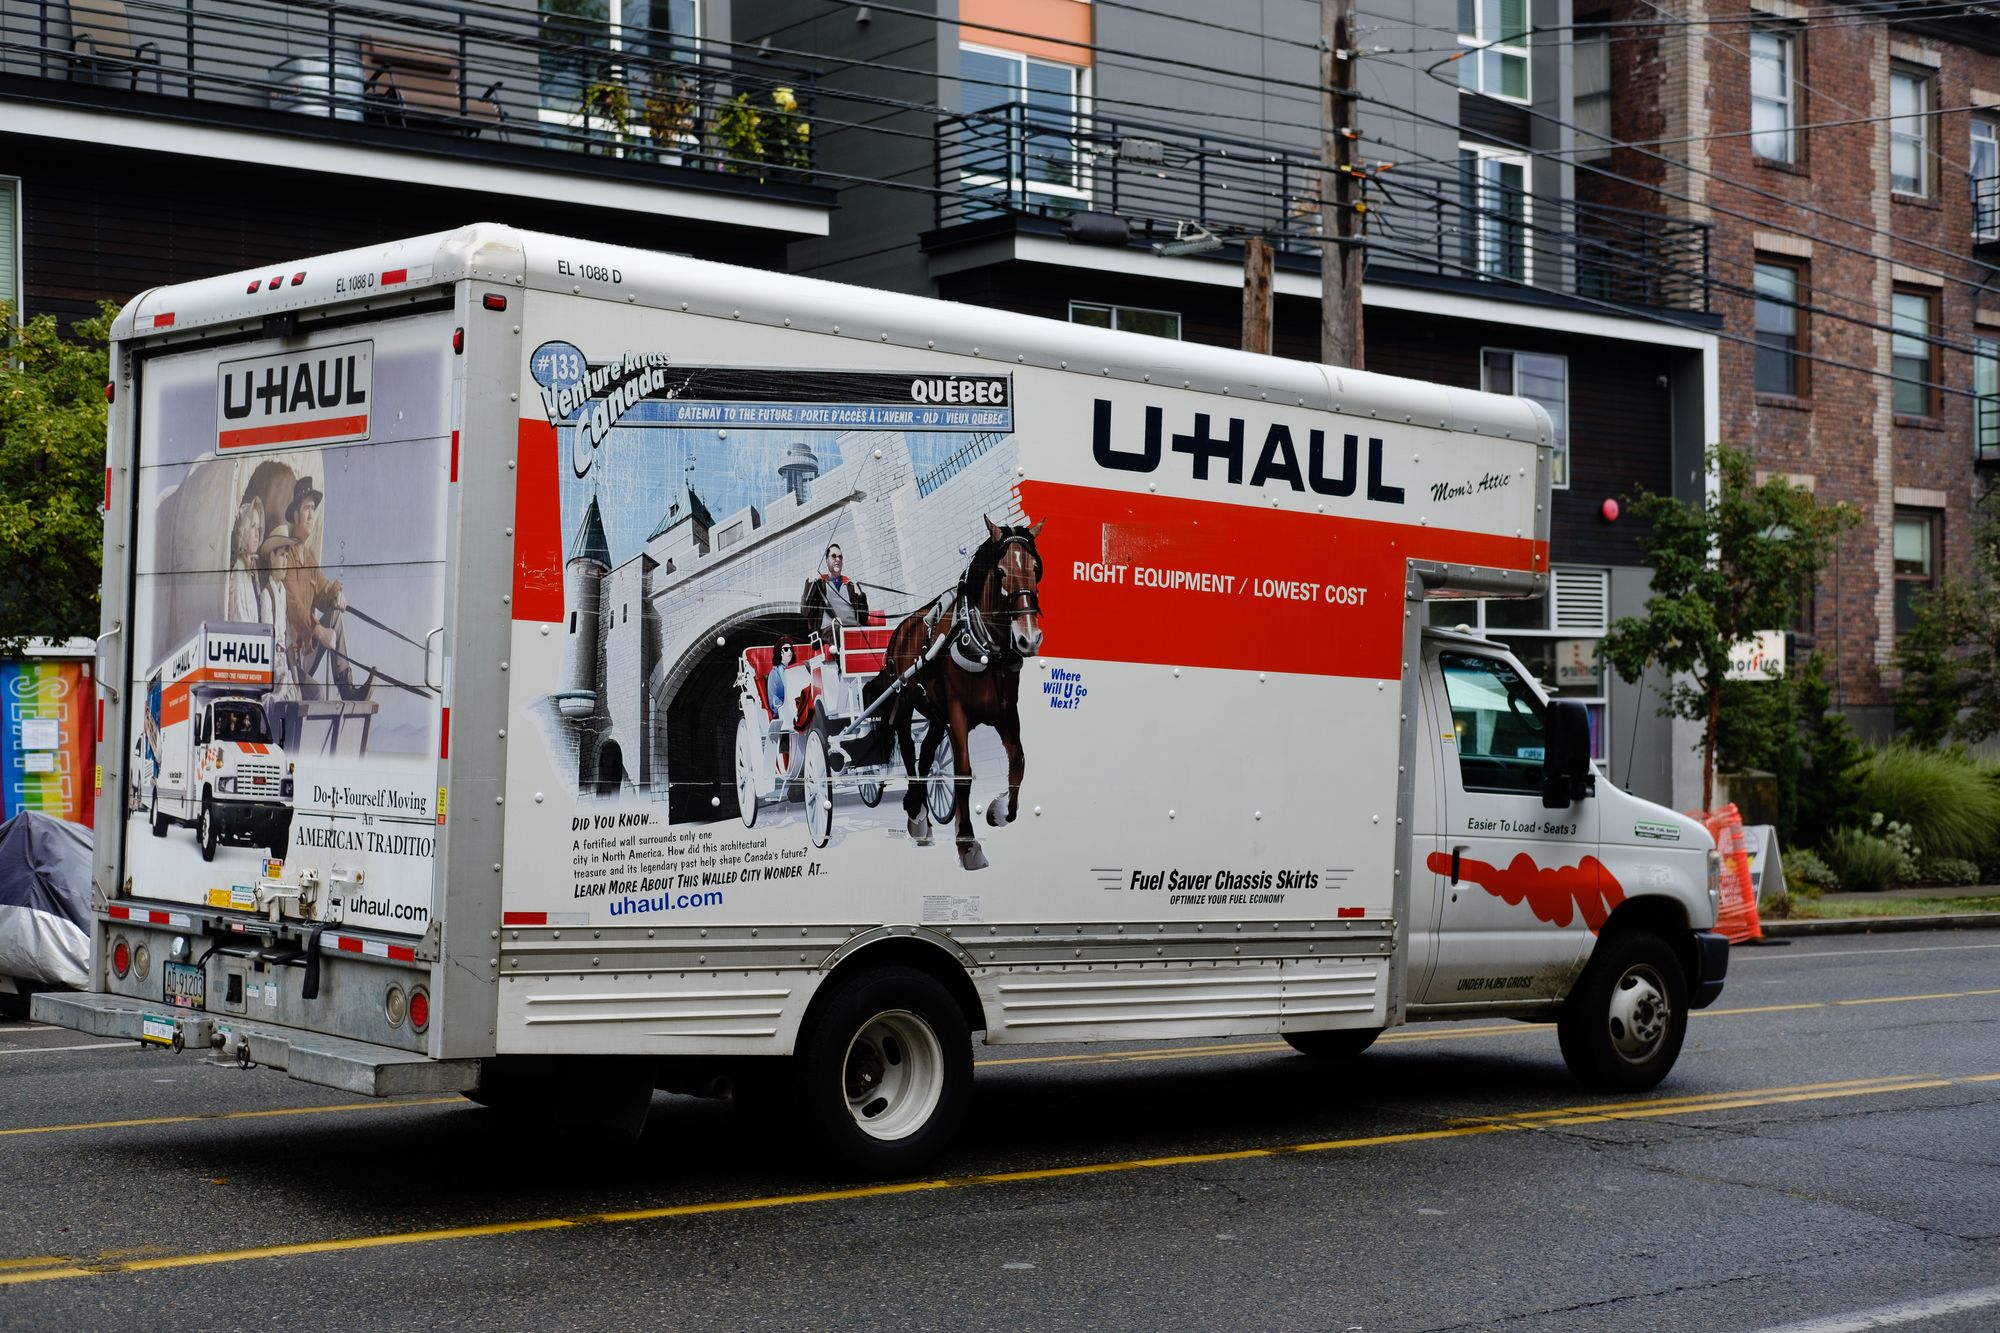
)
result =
(45, 900)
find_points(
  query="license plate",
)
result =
(184, 985)
(157, 1030)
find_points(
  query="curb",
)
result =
(1869, 925)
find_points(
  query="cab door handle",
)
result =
(1456, 852)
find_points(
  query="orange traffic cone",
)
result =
(1736, 919)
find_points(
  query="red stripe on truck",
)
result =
(1234, 586)
(538, 544)
(1353, 911)
(524, 918)
(395, 275)
(402, 953)
(286, 432)
(347, 944)
(444, 734)
(120, 913)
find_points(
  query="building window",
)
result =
(1985, 166)
(1986, 400)
(1129, 319)
(1773, 95)
(1497, 30)
(1909, 132)
(1779, 340)
(583, 41)
(1493, 190)
(1916, 548)
(1592, 81)
(1539, 378)
(1911, 353)
(10, 246)
(1039, 107)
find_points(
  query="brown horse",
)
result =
(962, 654)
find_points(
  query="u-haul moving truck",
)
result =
(778, 682)
(218, 764)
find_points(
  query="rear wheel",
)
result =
(204, 829)
(1333, 1043)
(870, 793)
(884, 1072)
(1622, 1029)
(159, 816)
(943, 773)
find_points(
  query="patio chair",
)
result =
(100, 43)
(417, 83)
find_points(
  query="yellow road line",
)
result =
(75, 1268)
(1698, 1098)
(230, 1115)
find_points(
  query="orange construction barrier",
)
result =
(1736, 919)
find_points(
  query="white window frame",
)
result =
(1494, 229)
(1562, 447)
(1926, 85)
(1986, 143)
(1081, 75)
(1483, 40)
(1592, 49)
(565, 118)
(1985, 399)
(14, 261)
(1787, 100)
(1114, 307)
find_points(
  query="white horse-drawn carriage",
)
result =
(824, 734)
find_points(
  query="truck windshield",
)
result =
(241, 721)
(1498, 721)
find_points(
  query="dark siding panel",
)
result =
(1492, 120)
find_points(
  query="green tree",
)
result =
(52, 414)
(1723, 570)
(1951, 661)
(1829, 794)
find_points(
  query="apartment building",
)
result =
(1848, 158)
(1105, 163)
(153, 141)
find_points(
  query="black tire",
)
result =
(204, 829)
(1622, 1029)
(883, 1073)
(159, 819)
(1333, 1043)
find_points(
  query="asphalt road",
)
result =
(1826, 1156)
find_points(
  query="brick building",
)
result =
(1848, 162)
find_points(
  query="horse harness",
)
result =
(975, 646)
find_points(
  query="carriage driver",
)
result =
(831, 598)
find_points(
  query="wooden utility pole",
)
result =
(1340, 191)
(1256, 294)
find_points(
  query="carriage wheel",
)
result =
(819, 791)
(941, 778)
(870, 793)
(748, 761)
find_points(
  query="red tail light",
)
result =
(420, 1008)
(121, 956)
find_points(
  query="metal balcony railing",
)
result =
(1986, 428)
(1029, 160)
(1986, 210)
(498, 72)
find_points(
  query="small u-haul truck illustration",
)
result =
(773, 685)
(217, 766)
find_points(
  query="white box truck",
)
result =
(711, 676)
(211, 758)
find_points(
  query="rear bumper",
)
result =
(1711, 958)
(333, 1062)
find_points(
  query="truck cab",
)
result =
(242, 778)
(1530, 867)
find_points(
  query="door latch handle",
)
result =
(1456, 852)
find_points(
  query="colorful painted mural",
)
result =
(48, 753)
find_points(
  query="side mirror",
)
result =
(1566, 773)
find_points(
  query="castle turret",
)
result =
(583, 588)
(799, 468)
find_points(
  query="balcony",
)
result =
(491, 84)
(1458, 229)
(1986, 212)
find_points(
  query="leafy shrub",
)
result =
(1947, 870)
(1827, 795)
(1952, 807)
(1863, 862)
(1805, 870)
(1903, 838)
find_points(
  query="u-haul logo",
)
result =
(316, 396)
(239, 651)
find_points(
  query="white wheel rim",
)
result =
(1640, 1014)
(746, 773)
(819, 818)
(893, 1076)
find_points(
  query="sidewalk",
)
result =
(1779, 928)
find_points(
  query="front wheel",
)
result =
(204, 829)
(819, 791)
(1333, 1043)
(1622, 1029)
(943, 777)
(749, 768)
(885, 1072)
